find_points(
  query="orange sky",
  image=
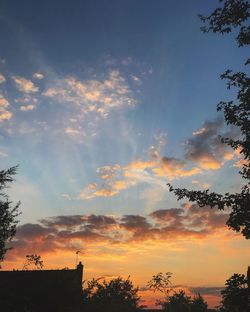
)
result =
(198, 264)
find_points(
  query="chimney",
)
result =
(80, 267)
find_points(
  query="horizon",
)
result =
(102, 104)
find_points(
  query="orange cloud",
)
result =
(5, 115)
(25, 85)
(105, 192)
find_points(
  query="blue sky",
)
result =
(104, 102)
(169, 67)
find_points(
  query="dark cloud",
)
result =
(31, 231)
(62, 221)
(205, 146)
(215, 291)
(134, 223)
(100, 220)
(65, 232)
(166, 214)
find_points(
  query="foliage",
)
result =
(198, 304)
(234, 14)
(8, 212)
(235, 295)
(33, 260)
(180, 302)
(160, 282)
(115, 295)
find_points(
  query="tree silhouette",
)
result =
(198, 304)
(33, 260)
(161, 282)
(115, 295)
(235, 295)
(234, 15)
(180, 302)
(8, 212)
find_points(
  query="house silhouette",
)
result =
(41, 290)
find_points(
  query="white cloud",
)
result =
(93, 96)
(3, 154)
(66, 196)
(2, 79)
(26, 108)
(38, 76)
(25, 85)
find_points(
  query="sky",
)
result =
(102, 103)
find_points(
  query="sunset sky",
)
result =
(102, 103)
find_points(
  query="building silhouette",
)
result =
(41, 290)
(248, 284)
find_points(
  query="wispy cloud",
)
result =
(203, 151)
(80, 105)
(99, 96)
(3, 154)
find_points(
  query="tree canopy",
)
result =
(115, 295)
(235, 295)
(8, 211)
(234, 15)
(180, 302)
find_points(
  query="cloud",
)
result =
(26, 108)
(203, 151)
(99, 96)
(105, 192)
(116, 178)
(33, 231)
(203, 185)
(73, 132)
(135, 223)
(3, 154)
(25, 85)
(205, 147)
(5, 115)
(216, 291)
(63, 221)
(163, 215)
(108, 172)
(65, 232)
(2, 79)
(38, 76)
(4, 103)
(66, 196)
(172, 167)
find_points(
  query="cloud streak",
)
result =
(202, 152)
